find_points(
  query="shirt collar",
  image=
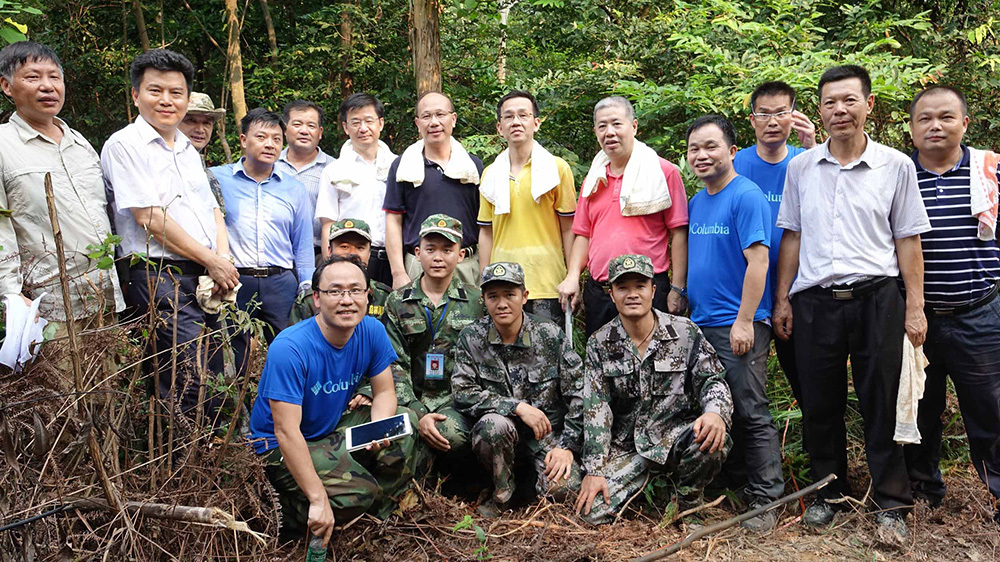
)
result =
(455, 291)
(321, 158)
(964, 161)
(27, 132)
(523, 338)
(238, 169)
(664, 331)
(873, 156)
(148, 135)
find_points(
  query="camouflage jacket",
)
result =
(406, 322)
(303, 307)
(632, 405)
(539, 368)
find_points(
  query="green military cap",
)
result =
(630, 263)
(503, 271)
(449, 227)
(342, 227)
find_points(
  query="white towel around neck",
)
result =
(983, 187)
(460, 167)
(346, 173)
(495, 186)
(644, 188)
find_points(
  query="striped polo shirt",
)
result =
(958, 267)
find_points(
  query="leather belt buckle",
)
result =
(843, 294)
(943, 311)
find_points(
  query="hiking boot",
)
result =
(819, 514)
(891, 526)
(491, 509)
(763, 522)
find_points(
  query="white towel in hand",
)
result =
(460, 167)
(644, 187)
(346, 173)
(495, 186)
(911, 389)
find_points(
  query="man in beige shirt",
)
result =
(32, 144)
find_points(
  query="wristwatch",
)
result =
(680, 291)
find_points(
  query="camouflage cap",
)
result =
(201, 104)
(342, 227)
(506, 271)
(629, 263)
(449, 227)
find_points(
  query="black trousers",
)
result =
(378, 266)
(868, 330)
(599, 309)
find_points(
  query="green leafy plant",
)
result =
(104, 253)
(481, 553)
(12, 31)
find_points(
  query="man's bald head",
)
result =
(434, 97)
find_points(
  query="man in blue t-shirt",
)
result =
(304, 407)
(728, 238)
(773, 118)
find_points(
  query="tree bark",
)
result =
(425, 42)
(346, 47)
(235, 62)
(272, 38)
(140, 23)
(505, 7)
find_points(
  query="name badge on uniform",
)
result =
(434, 366)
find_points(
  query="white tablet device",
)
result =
(359, 436)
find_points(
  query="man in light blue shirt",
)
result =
(270, 227)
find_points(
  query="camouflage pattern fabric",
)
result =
(634, 405)
(497, 440)
(410, 334)
(303, 307)
(356, 482)
(687, 467)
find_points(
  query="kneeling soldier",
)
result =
(517, 374)
(654, 400)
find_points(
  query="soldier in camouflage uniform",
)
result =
(424, 318)
(517, 374)
(654, 400)
(348, 236)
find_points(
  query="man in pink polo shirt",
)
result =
(632, 202)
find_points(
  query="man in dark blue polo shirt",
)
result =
(961, 268)
(434, 175)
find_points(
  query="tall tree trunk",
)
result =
(235, 62)
(272, 38)
(163, 33)
(425, 42)
(346, 46)
(140, 23)
(128, 93)
(505, 6)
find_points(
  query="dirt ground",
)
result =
(961, 529)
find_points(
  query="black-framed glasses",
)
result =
(355, 293)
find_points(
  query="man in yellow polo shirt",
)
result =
(527, 199)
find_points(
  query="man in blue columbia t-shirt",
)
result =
(774, 118)
(728, 237)
(304, 406)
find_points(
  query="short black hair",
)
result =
(262, 116)
(940, 88)
(299, 105)
(513, 94)
(844, 72)
(163, 60)
(15, 55)
(775, 88)
(338, 259)
(358, 101)
(728, 131)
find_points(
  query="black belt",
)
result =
(186, 267)
(854, 291)
(379, 253)
(953, 310)
(261, 271)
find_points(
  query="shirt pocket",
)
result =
(544, 386)
(26, 193)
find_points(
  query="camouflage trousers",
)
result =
(356, 482)
(688, 468)
(455, 429)
(497, 441)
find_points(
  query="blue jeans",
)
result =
(274, 296)
(965, 347)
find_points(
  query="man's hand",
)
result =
(677, 303)
(741, 337)
(399, 279)
(321, 519)
(223, 273)
(804, 128)
(533, 418)
(358, 401)
(782, 318)
(558, 464)
(710, 431)
(427, 426)
(591, 486)
(569, 291)
(916, 325)
(376, 446)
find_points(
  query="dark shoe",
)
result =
(763, 522)
(491, 509)
(819, 514)
(891, 526)
(933, 502)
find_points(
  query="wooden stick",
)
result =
(687, 512)
(712, 529)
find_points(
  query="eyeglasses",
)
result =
(440, 116)
(779, 115)
(522, 117)
(356, 123)
(355, 293)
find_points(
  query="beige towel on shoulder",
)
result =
(495, 186)
(911, 389)
(460, 167)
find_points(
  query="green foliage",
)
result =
(11, 30)
(104, 252)
(467, 522)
